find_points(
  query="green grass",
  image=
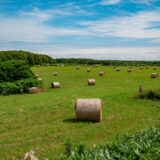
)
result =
(44, 121)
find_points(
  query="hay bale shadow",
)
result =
(73, 120)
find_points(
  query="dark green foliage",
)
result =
(19, 87)
(13, 70)
(143, 145)
(149, 94)
(30, 58)
(105, 62)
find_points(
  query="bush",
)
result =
(144, 145)
(19, 87)
(13, 70)
(30, 58)
(149, 94)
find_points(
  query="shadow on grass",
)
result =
(73, 120)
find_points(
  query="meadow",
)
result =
(42, 122)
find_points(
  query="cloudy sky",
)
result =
(99, 29)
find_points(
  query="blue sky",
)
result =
(98, 29)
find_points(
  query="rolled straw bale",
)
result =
(55, 85)
(78, 67)
(129, 70)
(118, 69)
(55, 73)
(85, 65)
(89, 109)
(101, 73)
(141, 67)
(155, 68)
(97, 65)
(154, 75)
(91, 81)
(34, 90)
(36, 75)
(40, 79)
(93, 66)
(88, 70)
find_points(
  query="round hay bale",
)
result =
(129, 70)
(55, 73)
(118, 69)
(154, 75)
(78, 67)
(85, 65)
(34, 90)
(55, 85)
(89, 109)
(97, 65)
(155, 68)
(91, 81)
(36, 75)
(101, 73)
(88, 70)
(141, 67)
(39, 79)
(38, 66)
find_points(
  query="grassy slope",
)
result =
(47, 119)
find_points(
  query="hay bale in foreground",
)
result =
(55, 73)
(34, 90)
(91, 81)
(154, 75)
(129, 70)
(78, 67)
(36, 75)
(89, 109)
(101, 73)
(118, 69)
(55, 85)
(88, 70)
(155, 68)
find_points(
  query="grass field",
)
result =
(44, 121)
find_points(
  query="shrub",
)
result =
(144, 145)
(149, 94)
(19, 87)
(13, 70)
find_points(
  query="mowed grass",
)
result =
(43, 122)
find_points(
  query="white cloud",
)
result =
(139, 25)
(143, 2)
(32, 27)
(109, 2)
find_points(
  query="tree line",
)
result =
(30, 58)
(41, 59)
